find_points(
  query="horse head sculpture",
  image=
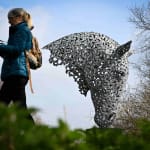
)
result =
(98, 64)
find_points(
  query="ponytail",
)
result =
(27, 18)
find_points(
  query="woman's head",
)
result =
(18, 15)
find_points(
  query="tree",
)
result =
(140, 16)
(138, 103)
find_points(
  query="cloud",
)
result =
(42, 21)
(3, 24)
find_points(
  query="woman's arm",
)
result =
(18, 44)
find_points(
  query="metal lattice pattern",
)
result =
(98, 64)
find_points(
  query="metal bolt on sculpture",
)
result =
(98, 64)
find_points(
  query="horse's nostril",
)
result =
(112, 115)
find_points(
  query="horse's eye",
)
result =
(119, 74)
(122, 73)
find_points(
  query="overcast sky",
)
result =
(56, 94)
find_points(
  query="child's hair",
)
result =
(21, 12)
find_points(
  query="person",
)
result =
(14, 72)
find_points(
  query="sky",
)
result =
(56, 94)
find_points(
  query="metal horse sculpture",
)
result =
(98, 64)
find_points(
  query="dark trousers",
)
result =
(13, 89)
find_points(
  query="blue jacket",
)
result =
(14, 61)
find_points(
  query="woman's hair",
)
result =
(21, 12)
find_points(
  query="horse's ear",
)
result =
(122, 49)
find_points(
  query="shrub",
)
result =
(19, 133)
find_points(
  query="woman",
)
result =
(14, 71)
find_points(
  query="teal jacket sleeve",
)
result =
(17, 44)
